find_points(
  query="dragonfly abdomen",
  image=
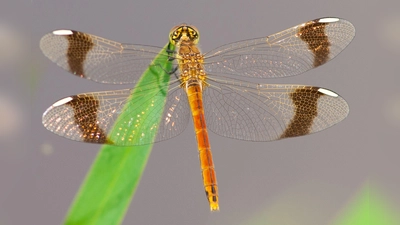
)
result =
(194, 93)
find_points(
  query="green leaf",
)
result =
(114, 176)
(369, 207)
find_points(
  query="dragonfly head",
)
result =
(184, 33)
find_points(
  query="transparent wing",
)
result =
(266, 112)
(91, 117)
(287, 53)
(96, 58)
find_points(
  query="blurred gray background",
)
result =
(307, 180)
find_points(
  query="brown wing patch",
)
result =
(85, 115)
(313, 33)
(305, 111)
(79, 44)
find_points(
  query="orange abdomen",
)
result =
(194, 93)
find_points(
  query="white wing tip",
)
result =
(328, 92)
(58, 103)
(62, 101)
(63, 32)
(328, 20)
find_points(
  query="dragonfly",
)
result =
(222, 86)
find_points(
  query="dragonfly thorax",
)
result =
(190, 62)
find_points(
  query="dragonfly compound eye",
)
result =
(193, 34)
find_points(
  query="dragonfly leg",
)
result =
(174, 71)
(171, 53)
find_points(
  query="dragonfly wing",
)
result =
(258, 112)
(96, 58)
(287, 53)
(91, 117)
(176, 114)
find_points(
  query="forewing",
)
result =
(258, 112)
(97, 58)
(287, 53)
